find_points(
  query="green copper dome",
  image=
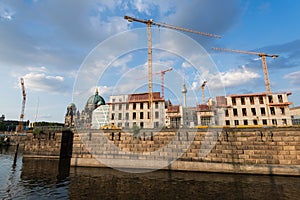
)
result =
(96, 100)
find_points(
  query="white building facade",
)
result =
(270, 109)
(131, 110)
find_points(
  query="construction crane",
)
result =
(162, 73)
(263, 59)
(149, 35)
(202, 89)
(20, 127)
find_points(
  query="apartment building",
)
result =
(258, 109)
(131, 110)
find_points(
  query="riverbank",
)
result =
(272, 151)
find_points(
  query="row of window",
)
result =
(254, 122)
(134, 106)
(254, 113)
(141, 124)
(260, 99)
(142, 115)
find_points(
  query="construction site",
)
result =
(153, 110)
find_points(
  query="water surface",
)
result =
(51, 179)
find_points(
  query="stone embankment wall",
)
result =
(43, 145)
(259, 151)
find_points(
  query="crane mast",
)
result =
(149, 34)
(20, 127)
(162, 73)
(202, 91)
(263, 59)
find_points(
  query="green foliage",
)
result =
(36, 131)
(135, 130)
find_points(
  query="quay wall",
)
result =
(231, 150)
(49, 144)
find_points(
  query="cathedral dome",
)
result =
(95, 100)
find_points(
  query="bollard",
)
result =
(16, 155)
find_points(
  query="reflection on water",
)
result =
(53, 179)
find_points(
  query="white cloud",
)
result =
(232, 78)
(6, 13)
(293, 77)
(42, 82)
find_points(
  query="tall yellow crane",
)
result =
(20, 127)
(162, 73)
(149, 35)
(263, 59)
(202, 90)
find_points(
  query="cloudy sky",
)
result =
(64, 49)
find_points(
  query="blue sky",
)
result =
(51, 42)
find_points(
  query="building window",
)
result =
(113, 107)
(233, 101)
(134, 115)
(134, 106)
(226, 113)
(262, 111)
(272, 110)
(120, 100)
(156, 105)
(205, 121)
(127, 106)
(236, 122)
(112, 116)
(156, 115)
(264, 121)
(261, 99)
(274, 122)
(119, 124)
(127, 116)
(148, 105)
(280, 99)
(156, 124)
(282, 110)
(253, 111)
(227, 123)
(255, 122)
(243, 100)
(284, 122)
(235, 113)
(244, 111)
(251, 100)
(148, 115)
(141, 115)
(120, 106)
(113, 100)
(245, 122)
(141, 106)
(126, 124)
(142, 124)
(120, 116)
(270, 99)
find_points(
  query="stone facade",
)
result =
(266, 151)
(270, 109)
(131, 110)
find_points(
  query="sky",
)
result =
(65, 49)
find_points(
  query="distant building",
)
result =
(258, 109)
(131, 110)
(100, 117)
(84, 119)
(295, 115)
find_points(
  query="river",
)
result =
(51, 179)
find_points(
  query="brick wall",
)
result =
(43, 145)
(235, 146)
